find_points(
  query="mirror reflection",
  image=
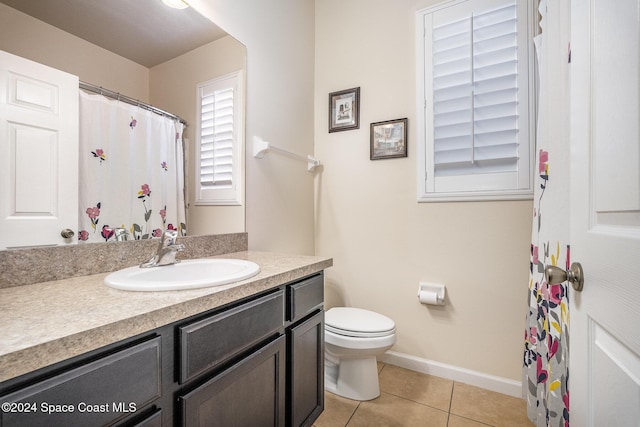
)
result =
(143, 50)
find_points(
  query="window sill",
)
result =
(476, 196)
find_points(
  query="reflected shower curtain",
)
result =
(546, 348)
(131, 171)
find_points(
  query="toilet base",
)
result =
(355, 379)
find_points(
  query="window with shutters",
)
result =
(475, 113)
(219, 141)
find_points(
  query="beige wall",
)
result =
(279, 36)
(383, 242)
(173, 88)
(30, 38)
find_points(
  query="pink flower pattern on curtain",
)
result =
(546, 338)
(131, 171)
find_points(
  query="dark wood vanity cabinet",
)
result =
(256, 362)
(97, 392)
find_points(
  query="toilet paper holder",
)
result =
(432, 288)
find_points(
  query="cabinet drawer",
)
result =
(304, 297)
(208, 342)
(95, 393)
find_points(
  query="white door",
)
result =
(605, 213)
(38, 153)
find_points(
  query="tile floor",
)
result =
(411, 398)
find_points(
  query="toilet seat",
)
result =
(359, 323)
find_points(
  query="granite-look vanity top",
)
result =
(45, 323)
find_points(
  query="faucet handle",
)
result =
(169, 237)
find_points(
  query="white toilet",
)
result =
(353, 338)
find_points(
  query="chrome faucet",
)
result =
(167, 251)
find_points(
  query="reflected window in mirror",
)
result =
(219, 140)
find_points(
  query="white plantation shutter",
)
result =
(216, 138)
(219, 140)
(476, 110)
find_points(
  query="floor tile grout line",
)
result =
(453, 386)
(415, 401)
(352, 414)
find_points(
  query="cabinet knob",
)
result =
(67, 233)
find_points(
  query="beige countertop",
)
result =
(45, 323)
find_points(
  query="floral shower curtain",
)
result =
(131, 171)
(546, 347)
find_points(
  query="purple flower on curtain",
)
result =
(145, 192)
(543, 166)
(83, 235)
(164, 166)
(556, 294)
(542, 374)
(157, 232)
(99, 154)
(133, 123)
(171, 227)
(93, 214)
(107, 232)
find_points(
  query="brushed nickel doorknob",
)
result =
(555, 275)
(67, 233)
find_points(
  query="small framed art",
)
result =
(389, 139)
(344, 110)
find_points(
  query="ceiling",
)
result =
(144, 31)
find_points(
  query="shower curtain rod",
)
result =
(115, 95)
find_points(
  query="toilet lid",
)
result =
(356, 322)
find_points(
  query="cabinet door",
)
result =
(38, 153)
(306, 375)
(249, 393)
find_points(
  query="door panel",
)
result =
(38, 153)
(605, 212)
(617, 374)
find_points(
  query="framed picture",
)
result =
(344, 110)
(389, 139)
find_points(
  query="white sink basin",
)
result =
(188, 274)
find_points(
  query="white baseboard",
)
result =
(455, 373)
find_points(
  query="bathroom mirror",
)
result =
(153, 36)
